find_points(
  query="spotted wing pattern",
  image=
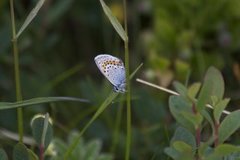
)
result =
(112, 68)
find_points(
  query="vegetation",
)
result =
(55, 104)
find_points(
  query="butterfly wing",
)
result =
(112, 68)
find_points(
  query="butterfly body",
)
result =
(113, 69)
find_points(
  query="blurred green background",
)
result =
(175, 40)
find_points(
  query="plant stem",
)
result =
(41, 150)
(198, 132)
(17, 73)
(198, 136)
(116, 134)
(216, 127)
(128, 94)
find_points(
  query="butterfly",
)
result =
(113, 69)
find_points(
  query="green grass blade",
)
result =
(117, 123)
(117, 26)
(61, 77)
(103, 106)
(135, 71)
(30, 17)
(39, 100)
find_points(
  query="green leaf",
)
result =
(57, 146)
(88, 151)
(39, 100)
(229, 125)
(205, 94)
(215, 75)
(105, 157)
(171, 152)
(32, 155)
(214, 100)
(30, 17)
(174, 154)
(182, 134)
(225, 149)
(195, 119)
(213, 86)
(218, 109)
(207, 116)
(181, 146)
(213, 157)
(20, 152)
(205, 149)
(42, 131)
(3, 154)
(92, 150)
(177, 105)
(180, 88)
(193, 90)
(117, 26)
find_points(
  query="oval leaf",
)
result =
(93, 149)
(105, 157)
(3, 154)
(41, 132)
(181, 89)
(229, 125)
(193, 90)
(177, 105)
(171, 152)
(32, 155)
(213, 86)
(218, 85)
(205, 94)
(218, 109)
(182, 147)
(225, 149)
(195, 119)
(182, 134)
(20, 152)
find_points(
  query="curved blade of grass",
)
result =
(39, 100)
(61, 77)
(117, 26)
(135, 71)
(103, 106)
(30, 17)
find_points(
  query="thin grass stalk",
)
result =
(103, 106)
(128, 94)
(16, 72)
(116, 134)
